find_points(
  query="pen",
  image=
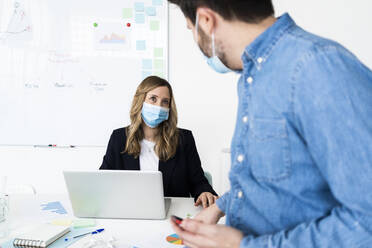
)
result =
(55, 146)
(80, 235)
(95, 232)
(63, 146)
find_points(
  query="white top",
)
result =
(149, 161)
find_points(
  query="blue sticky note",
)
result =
(139, 18)
(157, 2)
(147, 64)
(141, 45)
(151, 11)
(54, 207)
(139, 6)
(145, 74)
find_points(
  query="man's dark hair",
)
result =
(250, 11)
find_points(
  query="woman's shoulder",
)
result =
(119, 136)
(184, 132)
(185, 136)
(120, 132)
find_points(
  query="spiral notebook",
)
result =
(41, 237)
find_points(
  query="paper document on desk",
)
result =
(108, 239)
(43, 211)
(104, 239)
(163, 239)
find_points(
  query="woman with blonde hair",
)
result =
(153, 142)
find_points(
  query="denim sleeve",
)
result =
(223, 201)
(332, 106)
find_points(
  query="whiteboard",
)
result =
(69, 69)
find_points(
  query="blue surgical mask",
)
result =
(214, 62)
(153, 115)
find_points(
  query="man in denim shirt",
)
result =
(301, 155)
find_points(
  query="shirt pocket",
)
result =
(269, 150)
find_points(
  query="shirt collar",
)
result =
(260, 49)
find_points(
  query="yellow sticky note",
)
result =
(154, 25)
(159, 74)
(127, 13)
(158, 52)
(62, 222)
(158, 64)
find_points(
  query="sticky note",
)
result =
(158, 64)
(158, 52)
(145, 74)
(147, 64)
(139, 6)
(127, 13)
(141, 45)
(82, 223)
(151, 11)
(157, 2)
(139, 18)
(154, 25)
(62, 222)
(159, 74)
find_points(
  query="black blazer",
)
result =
(182, 175)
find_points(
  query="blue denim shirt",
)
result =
(301, 154)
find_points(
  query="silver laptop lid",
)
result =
(116, 194)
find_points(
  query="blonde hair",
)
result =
(166, 140)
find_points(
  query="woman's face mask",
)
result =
(153, 115)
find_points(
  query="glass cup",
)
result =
(4, 209)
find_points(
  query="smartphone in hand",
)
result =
(176, 219)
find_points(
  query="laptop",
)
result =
(117, 194)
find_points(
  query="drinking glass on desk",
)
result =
(4, 209)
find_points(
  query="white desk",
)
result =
(25, 214)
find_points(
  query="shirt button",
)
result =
(250, 80)
(260, 60)
(240, 158)
(245, 119)
(240, 194)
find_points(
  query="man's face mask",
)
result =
(214, 62)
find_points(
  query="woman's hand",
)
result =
(206, 199)
(199, 235)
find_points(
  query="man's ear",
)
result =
(207, 20)
(189, 24)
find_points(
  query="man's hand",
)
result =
(199, 235)
(210, 215)
(206, 199)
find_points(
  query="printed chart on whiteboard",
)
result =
(69, 69)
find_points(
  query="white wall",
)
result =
(206, 101)
(348, 22)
